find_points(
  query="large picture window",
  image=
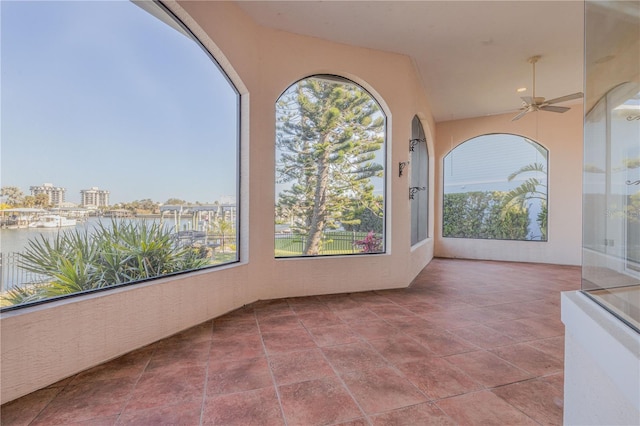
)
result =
(495, 187)
(330, 157)
(119, 149)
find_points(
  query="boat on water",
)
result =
(52, 221)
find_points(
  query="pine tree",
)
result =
(328, 134)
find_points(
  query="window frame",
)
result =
(548, 162)
(160, 11)
(419, 170)
(385, 164)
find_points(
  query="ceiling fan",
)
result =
(533, 103)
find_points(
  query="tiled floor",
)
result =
(468, 343)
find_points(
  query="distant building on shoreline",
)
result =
(56, 194)
(94, 197)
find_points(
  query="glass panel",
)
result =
(419, 180)
(611, 249)
(330, 157)
(495, 187)
(133, 129)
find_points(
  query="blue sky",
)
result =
(104, 94)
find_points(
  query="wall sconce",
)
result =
(401, 166)
(414, 189)
(414, 142)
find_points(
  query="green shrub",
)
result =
(483, 215)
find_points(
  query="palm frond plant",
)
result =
(121, 252)
(533, 188)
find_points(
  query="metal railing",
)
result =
(12, 275)
(331, 243)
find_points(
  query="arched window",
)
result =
(495, 187)
(120, 131)
(330, 167)
(419, 181)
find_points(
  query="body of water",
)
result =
(15, 240)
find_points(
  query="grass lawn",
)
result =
(332, 243)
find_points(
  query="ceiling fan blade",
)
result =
(527, 100)
(572, 96)
(554, 108)
(522, 114)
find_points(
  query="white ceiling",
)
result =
(471, 55)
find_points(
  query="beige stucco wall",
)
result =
(561, 134)
(43, 344)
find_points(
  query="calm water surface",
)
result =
(15, 240)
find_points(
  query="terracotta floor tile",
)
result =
(161, 387)
(333, 335)
(401, 349)
(512, 329)
(391, 311)
(482, 408)
(23, 410)
(279, 323)
(438, 378)
(238, 376)
(529, 359)
(341, 304)
(356, 314)
(180, 414)
(253, 408)
(301, 366)
(442, 342)
(356, 422)
(488, 369)
(543, 327)
(130, 365)
(418, 306)
(371, 298)
(307, 304)
(87, 400)
(229, 330)
(316, 319)
(411, 325)
(288, 341)
(483, 336)
(532, 328)
(353, 356)
(448, 320)
(282, 309)
(317, 402)
(553, 346)
(198, 333)
(555, 380)
(376, 329)
(237, 347)
(245, 315)
(62, 383)
(421, 414)
(536, 398)
(382, 389)
(180, 355)
(98, 421)
(512, 311)
(449, 304)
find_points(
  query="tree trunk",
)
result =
(318, 218)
